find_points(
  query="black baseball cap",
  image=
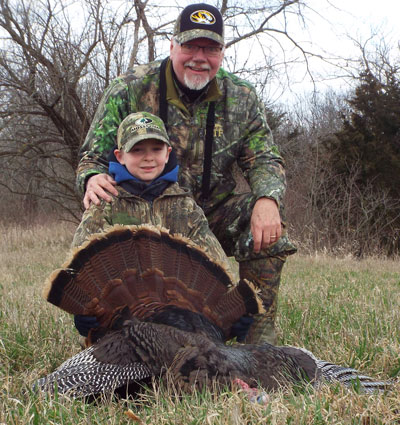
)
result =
(198, 21)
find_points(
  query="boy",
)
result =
(146, 171)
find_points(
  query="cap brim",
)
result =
(189, 35)
(135, 140)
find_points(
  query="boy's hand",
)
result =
(97, 186)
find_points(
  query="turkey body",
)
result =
(194, 359)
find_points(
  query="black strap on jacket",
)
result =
(205, 184)
(163, 105)
(210, 123)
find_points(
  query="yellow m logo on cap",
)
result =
(202, 17)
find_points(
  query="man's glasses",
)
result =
(192, 49)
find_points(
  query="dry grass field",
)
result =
(343, 310)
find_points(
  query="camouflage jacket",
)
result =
(175, 210)
(241, 132)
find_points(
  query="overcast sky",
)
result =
(336, 21)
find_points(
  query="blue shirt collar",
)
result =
(120, 174)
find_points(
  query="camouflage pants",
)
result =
(230, 222)
(266, 274)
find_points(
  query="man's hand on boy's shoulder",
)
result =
(99, 186)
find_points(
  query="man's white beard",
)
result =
(196, 82)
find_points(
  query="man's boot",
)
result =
(265, 273)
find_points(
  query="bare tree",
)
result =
(307, 123)
(51, 76)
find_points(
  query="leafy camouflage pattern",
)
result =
(241, 133)
(189, 35)
(175, 210)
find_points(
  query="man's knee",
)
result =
(266, 272)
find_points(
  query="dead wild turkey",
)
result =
(163, 304)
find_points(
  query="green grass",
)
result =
(343, 310)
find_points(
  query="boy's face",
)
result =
(146, 160)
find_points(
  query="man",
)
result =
(213, 119)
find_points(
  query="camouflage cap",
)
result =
(198, 21)
(140, 126)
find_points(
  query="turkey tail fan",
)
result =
(146, 268)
